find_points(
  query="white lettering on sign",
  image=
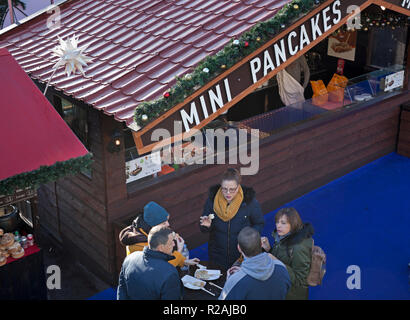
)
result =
(285, 47)
(326, 19)
(316, 32)
(291, 50)
(273, 57)
(406, 2)
(267, 63)
(304, 38)
(280, 52)
(337, 11)
(216, 101)
(255, 67)
(216, 98)
(191, 117)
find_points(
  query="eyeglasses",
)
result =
(229, 190)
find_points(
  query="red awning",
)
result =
(32, 133)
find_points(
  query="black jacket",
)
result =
(147, 275)
(223, 239)
(132, 235)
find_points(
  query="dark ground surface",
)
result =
(77, 283)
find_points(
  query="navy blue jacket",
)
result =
(223, 239)
(147, 275)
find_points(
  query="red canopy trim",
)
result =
(36, 145)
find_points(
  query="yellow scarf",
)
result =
(224, 210)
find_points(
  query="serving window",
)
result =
(77, 119)
(347, 68)
(216, 143)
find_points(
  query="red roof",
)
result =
(32, 132)
(138, 47)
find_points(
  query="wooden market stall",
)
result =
(37, 147)
(139, 48)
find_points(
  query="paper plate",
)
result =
(192, 283)
(207, 274)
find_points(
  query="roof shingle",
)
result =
(138, 47)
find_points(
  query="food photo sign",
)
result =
(342, 44)
(142, 167)
(394, 81)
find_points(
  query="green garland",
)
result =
(216, 64)
(45, 174)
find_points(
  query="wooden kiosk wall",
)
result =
(74, 210)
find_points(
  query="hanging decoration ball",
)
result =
(188, 76)
(166, 94)
(144, 117)
(236, 42)
(246, 44)
(223, 66)
(296, 7)
(282, 26)
(206, 70)
(366, 29)
(258, 39)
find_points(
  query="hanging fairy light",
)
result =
(382, 20)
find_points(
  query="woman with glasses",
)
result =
(293, 246)
(230, 207)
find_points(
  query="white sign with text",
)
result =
(143, 166)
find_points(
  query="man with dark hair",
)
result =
(147, 275)
(260, 276)
(135, 236)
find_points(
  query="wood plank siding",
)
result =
(73, 209)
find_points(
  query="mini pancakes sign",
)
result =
(295, 41)
(230, 87)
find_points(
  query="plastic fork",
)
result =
(208, 291)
